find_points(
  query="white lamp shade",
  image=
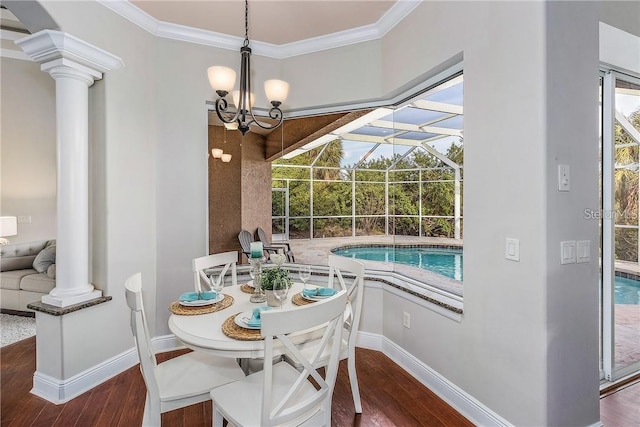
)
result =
(8, 226)
(231, 126)
(216, 153)
(236, 99)
(276, 90)
(226, 158)
(221, 78)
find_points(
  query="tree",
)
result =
(626, 190)
(332, 192)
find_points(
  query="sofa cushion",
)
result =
(37, 283)
(45, 258)
(11, 279)
(20, 256)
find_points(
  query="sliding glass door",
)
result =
(620, 282)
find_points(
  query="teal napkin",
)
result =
(255, 321)
(323, 292)
(194, 296)
(326, 292)
(310, 292)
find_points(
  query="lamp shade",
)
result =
(216, 153)
(221, 78)
(8, 226)
(276, 90)
(226, 158)
(236, 99)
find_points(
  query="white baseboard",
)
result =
(61, 391)
(166, 343)
(369, 341)
(461, 401)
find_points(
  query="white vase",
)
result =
(272, 301)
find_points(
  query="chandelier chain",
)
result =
(246, 23)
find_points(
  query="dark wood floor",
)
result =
(390, 397)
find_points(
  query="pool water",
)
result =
(626, 291)
(448, 262)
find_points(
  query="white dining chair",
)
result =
(226, 260)
(355, 288)
(182, 381)
(280, 394)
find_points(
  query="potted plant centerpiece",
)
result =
(271, 277)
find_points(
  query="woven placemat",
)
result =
(230, 329)
(246, 289)
(298, 299)
(176, 308)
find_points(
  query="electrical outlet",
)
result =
(406, 320)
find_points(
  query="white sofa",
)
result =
(21, 283)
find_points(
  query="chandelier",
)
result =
(222, 80)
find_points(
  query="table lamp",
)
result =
(8, 227)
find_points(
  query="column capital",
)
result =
(55, 49)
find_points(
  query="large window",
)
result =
(394, 171)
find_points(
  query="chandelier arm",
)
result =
(275, 113)
(221, 111)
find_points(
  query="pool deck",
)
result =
(316, 251)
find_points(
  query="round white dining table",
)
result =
(203, 332)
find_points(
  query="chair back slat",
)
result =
(139, 328)
(338, 265)
(279, 324)
(225, 260)
(262, 235)
(245, 238)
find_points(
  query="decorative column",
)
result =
(74, 65)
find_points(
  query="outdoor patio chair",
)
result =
(262, 235)
(245, 238)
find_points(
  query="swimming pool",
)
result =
(444, 261)
(626, 291)
(448, 262)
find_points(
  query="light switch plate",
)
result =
(583, 251)
(564, 178)
(568, 252)
(512, 249)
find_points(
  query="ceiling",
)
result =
(274, 22)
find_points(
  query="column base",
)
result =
(65, 301)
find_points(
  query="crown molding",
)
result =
(14, 54)
(172, 31)
(49, 46)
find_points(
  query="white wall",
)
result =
(527, 346)
(28, 149)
